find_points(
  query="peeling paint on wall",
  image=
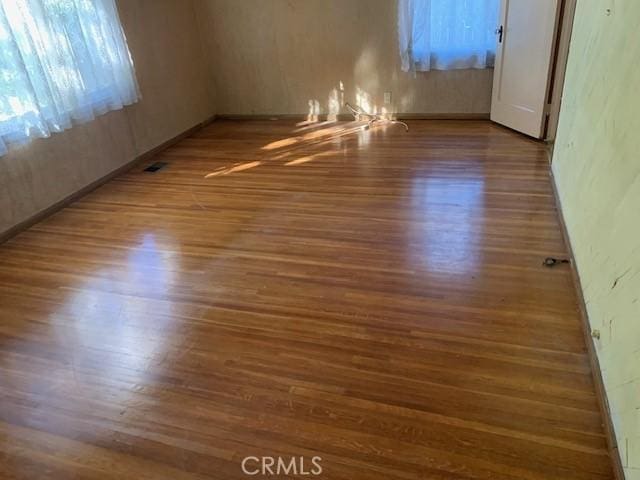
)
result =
(596, 165)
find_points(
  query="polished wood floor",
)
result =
(374, 298)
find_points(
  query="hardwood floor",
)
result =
(374, 298)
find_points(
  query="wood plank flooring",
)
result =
(374, 298)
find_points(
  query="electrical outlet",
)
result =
(387, 98)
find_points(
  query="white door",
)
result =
(524, 58)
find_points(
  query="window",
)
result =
(61, 62)
(447, 34)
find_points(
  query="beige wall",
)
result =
(176, 96)
(596, 165)
(273, 56)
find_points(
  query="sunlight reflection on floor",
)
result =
(313, 138)
(236, 168)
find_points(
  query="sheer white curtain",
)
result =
(61, 62)
(447, 34)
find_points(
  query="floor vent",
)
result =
(155, 167)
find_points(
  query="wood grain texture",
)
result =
(375, 298)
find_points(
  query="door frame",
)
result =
(561, 55)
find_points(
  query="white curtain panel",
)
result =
(61, 62)
(447, 34)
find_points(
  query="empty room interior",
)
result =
(333, 239)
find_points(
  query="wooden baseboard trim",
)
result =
(294, 117)
(442, 116)
(42, 214)
(601, 393)
(299, 117)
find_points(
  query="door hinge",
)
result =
(547, 109)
